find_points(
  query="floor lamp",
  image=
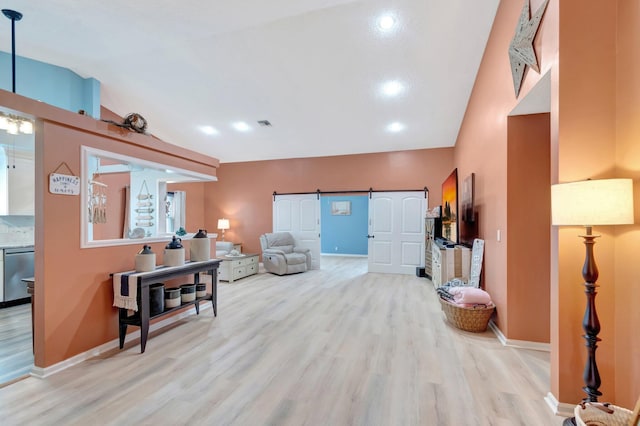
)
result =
(223, 224)
(587, 203)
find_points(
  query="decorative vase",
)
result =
(200, 247)
(174, 253)
(145, 260)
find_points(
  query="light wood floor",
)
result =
(331, 347)
(16, 350)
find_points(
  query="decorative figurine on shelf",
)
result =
(145, 260)
(200, 247)
(181, 232)
(174, 253)
(133, 121)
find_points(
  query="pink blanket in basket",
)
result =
(470, 295)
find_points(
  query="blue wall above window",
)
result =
(345, 234)
(51, 84)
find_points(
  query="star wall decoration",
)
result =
(521, 52)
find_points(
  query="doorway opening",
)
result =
(395, 224)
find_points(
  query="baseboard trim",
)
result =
(520, 344)
(343, 255)
(41, 373)
(561, 409)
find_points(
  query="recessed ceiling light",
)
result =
(395, 127)
(386, 22)
(241, 126)
(392, 88)
(208, 130)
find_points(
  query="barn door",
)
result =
(396, 231)
(300, 215)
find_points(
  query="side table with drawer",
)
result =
(235, 267)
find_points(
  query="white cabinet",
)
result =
(20, 182)
(233, 268)
(440, 264)
(449, 262)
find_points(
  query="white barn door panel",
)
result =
(396, 231)
(300, 215)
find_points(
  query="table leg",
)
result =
(123, 333)
(196, 281)
(33, 325)
(122, 327)
(214, 291)
(144, 316)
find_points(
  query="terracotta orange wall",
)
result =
(73, 311)
(586, 149)
(482, 144)
(626, 266)
(244, 191)
(528, 239)
(593, 133)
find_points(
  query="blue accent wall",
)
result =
(51, 84)
(345, 234)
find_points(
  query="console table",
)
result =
(160, 274)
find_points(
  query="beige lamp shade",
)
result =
(223, 224)
(592, 202)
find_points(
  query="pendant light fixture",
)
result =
(14, 16)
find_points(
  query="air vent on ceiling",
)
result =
(264, 123)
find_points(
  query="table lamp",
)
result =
(223, 224)
(587, 203)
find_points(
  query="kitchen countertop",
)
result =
(14, 245)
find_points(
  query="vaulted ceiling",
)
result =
(315, 69)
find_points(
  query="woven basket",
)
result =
(467, 319)
(592, 416)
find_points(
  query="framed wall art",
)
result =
(341, 208)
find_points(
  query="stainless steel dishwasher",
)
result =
(18, 264)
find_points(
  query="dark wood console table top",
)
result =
(160, 274)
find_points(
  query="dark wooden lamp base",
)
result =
(590, 324)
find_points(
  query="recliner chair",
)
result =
(280, 256)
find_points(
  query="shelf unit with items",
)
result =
(431, 231)
(448, 262)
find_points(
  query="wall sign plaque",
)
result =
(64, 184)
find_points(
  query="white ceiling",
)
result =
(313, 68)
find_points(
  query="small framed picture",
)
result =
(341, 208)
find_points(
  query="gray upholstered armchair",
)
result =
(280, 256)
